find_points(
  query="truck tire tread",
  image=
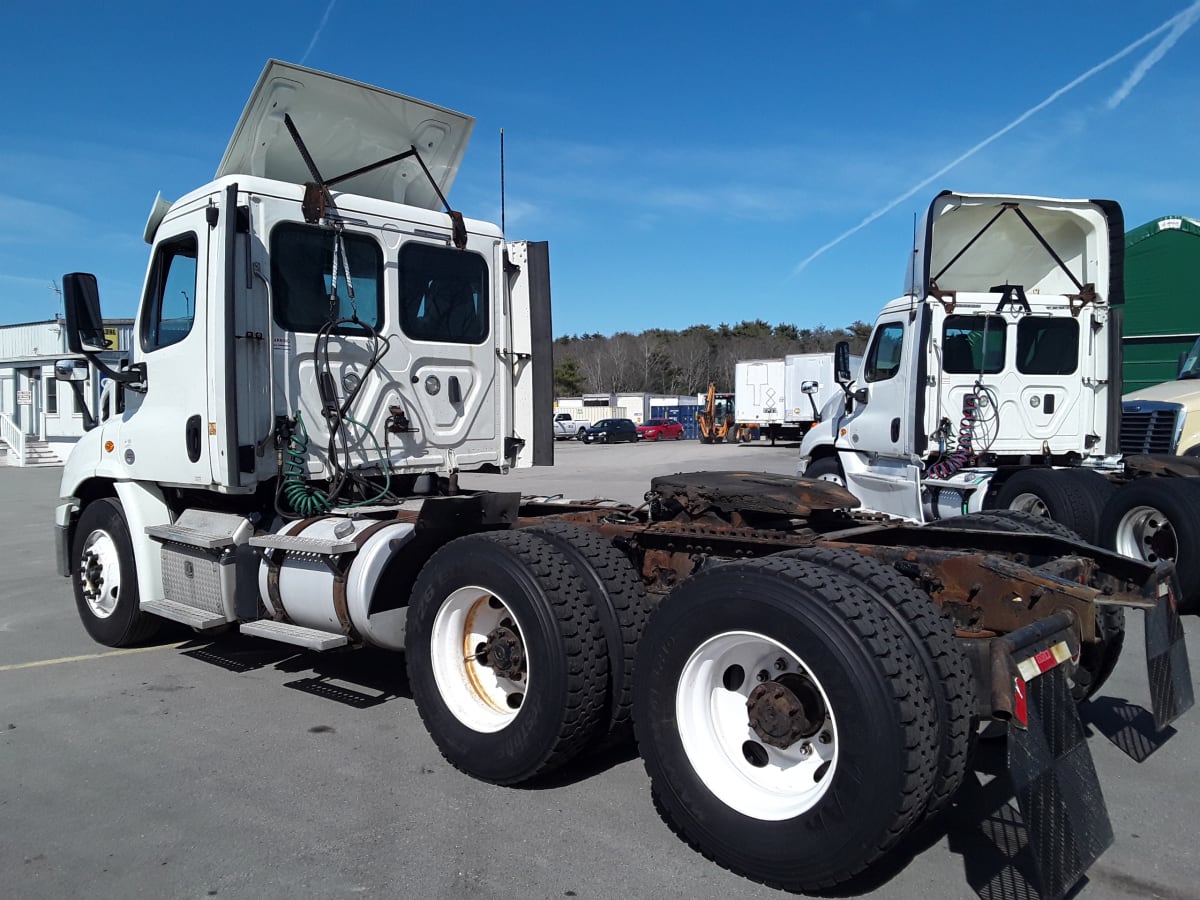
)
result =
(560, 591)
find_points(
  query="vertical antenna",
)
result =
(57, 290)
(502, 229)
(912, 290)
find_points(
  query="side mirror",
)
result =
(808, 387)
(85, 327)
(70, 370)
(841, 363)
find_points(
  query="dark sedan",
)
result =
(610, 431)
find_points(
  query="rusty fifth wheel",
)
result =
(506, 660)
(786, 721)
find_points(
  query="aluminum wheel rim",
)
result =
(100, 574)
(711, 715)
(1145, 533)
(1030, 503)
(475, 693)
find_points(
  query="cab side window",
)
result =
(172, 293)
(883, 358)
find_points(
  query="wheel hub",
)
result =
(93, 575)
(786, 710)
(503, 653)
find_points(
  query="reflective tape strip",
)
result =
(1044, 661)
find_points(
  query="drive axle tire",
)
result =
(622, 607)
(506, 664)
(784, 720)
(105, 577)
(1072, 497)
(931, 632)
(1157, 518)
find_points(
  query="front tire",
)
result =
(105, 578)
(506, 665)
(784, 722)
(827, 468)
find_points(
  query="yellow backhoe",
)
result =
(715, 418)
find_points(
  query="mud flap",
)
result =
(1171, 693)
(1054, 778)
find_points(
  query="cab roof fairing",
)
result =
(1087, 235)
(346, 125)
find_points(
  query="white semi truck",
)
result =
(994, 382)
(323, 345)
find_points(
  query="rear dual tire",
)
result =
(797, 817)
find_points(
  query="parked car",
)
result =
(660, 429)
(610, 431)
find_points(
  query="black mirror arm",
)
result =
(89, 421)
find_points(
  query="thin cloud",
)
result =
(1176, 25)
(317, 33)
(1183, 22)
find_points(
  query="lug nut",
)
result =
(825, 737)
(762, 675)
(780, 665)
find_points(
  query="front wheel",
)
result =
(784, 722)
(105, 578)
(580, 434)
(827, 468)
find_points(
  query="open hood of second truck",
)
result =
(958, 250)
(346, 125)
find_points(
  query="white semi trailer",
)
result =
(783, 398)
(323, 345)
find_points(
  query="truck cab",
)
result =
(998, 355)
(318, 329)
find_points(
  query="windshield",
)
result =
(1191, 363)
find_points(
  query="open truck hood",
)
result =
(957, 249)
(346, 125)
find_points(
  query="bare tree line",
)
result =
(661, 361)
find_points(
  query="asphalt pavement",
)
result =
(241, 768)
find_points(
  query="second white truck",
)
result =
(993, 382)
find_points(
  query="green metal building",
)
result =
(1162, 299)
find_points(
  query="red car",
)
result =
(653, 429)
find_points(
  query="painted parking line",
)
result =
(86, 656)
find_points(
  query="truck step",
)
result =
(181, 534)
(179, 612)
(303, 545)
(294, 634)
(204, 529)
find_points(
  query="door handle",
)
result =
(454, 390)
(895, 429)
(191, 438)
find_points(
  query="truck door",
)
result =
(877, 440)
(163, 434)
(449, 311)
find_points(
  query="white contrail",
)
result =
(1177, 25)
(317, 33)
(1183, 22)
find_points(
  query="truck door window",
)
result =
(171, 292)
(1047, 346)
(965, 348)
(883, 359)
(443, 294)
(302, 272)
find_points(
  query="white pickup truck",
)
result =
(566, 427)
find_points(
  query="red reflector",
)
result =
(1020, 710)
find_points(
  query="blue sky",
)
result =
(684, 160)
